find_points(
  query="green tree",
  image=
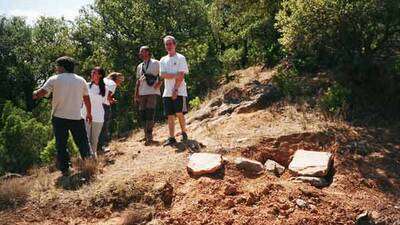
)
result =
(110, 34)
(245, 32)
(359, 40)
(15, 38)
(340, 32)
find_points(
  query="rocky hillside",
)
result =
(255, 171)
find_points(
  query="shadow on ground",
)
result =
(192, 146)
(73, 182)
(218, 175)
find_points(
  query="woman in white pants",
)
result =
(98, 93)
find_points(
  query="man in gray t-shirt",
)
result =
(69, 93)
(147, 91)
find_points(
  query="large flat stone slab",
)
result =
(249, 165)
(204, 163)
(311, 163)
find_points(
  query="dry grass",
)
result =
(13, 192)
(88, 169)
(118, 194)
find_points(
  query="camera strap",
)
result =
(147, 67)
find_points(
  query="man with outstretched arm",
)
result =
(69, 93)
(147, 91)
(173, 68)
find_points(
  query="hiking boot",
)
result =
(170, 141)
(148, 143)
(66, 173)
(184, 136)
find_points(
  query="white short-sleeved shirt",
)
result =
(68, 90)
(174, 65)
(152, 67)
(111, 86)
(97, 101)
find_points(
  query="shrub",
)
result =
(21, 140)
(335, 100)
(48, 154)
(195, 103)
(288, 81)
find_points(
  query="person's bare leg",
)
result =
(171, 126)
(182, 122)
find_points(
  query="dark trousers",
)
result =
(105, 133)
(61, 128)
(147, 105)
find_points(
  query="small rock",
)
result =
(274, 210)
(230, 189)
(301, 203)
(262, 100)
(227, 109)
(204, 163)
(364, 219)
(247, 107)
(311, 163)
(215, 102)
(240, 200)
(274, 167)
(249, 165)
(314, 181)
(252, 199)
(313, 208)
(229, 203)
(234, 95)
(241, 140)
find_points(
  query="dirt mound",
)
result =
(282, 148)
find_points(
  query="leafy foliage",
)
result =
(21, 139)
(48, 154)
(195, 103)
(288, 81)
(335, 99)
(360, 40)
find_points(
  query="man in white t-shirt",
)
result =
(69, 93)
(173, 68)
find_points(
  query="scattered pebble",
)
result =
(301, 203)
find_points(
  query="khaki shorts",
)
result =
(147, 102)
